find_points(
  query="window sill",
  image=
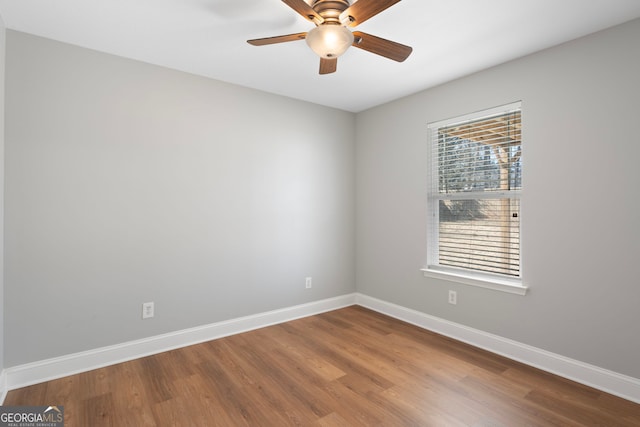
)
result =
(494, 283)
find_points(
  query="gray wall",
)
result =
(3, 34)
(128, 183)
(581, 238)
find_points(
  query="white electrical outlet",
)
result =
(453, 297)
(308, 282)
(147, 310)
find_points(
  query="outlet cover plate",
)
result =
(147, 310)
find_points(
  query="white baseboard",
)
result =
(45, 370)
(584, 373)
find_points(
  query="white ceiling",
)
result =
(450, 39)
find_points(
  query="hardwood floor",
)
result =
(349, 367)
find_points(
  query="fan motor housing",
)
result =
(330, 10)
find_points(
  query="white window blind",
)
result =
(474, 193)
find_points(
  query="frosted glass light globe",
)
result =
(329, 40)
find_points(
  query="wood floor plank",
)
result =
(427, 408)
(226, 389)
(287, 398)
(261, 390)
(35, 393)
(321, 367)
(97, 411)
(626, 409)
(332, 420)
(511, 407)
(578, 411)
(331, 347)
(352, 407)
(348, 367)
(155, 378)
(289, 378)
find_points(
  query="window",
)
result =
(474, 199)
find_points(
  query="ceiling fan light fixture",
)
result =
(332, 37)
(329, 40)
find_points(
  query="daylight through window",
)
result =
(474, 197)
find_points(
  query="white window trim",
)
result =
(512, 286)
(494, 282)
(478, 115)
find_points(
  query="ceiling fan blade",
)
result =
(277, 39)
(362, 10)
(305, 10)
(379, 46)
(328, 66)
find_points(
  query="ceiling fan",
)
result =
(331, 37)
